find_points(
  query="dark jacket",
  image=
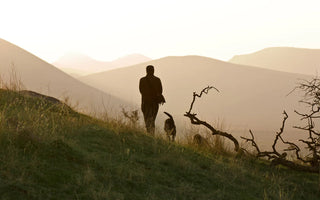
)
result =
(150, 86)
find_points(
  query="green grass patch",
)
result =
(49, 151)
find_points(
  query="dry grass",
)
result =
(209, 143)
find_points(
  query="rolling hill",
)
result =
(294, 60)
(249, 98)
(18, 65)
(79, 65)
(53, 152)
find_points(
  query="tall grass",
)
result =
(11, 80)
(210, 143)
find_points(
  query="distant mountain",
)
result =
(288, 59)
(79, 64)
(39, 76)
(249, 98)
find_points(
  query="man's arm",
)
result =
(160, 86)
(140, 86)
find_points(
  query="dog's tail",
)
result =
(168, 115)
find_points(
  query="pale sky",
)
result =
(108, 29)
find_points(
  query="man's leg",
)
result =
(150, 112)
(153, 114)
(147, 117)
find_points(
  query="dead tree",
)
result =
(311, 162)
(311, 99)
(278, 158)
(196, 121)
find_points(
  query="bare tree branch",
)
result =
(195, 95)
(311, 162)
(253, 143)
(280, 158)
(196, 121)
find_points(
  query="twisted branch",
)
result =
(196, 121)
(280, 158)
(195, 95)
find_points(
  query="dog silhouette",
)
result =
(170, 127)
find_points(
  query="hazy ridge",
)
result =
(288, 59)
(250, 97)
(79, 65)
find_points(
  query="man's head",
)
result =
(150, 70)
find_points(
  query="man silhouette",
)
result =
(150, 88)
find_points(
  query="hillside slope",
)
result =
(249, 98)
(16, 65)
(288, 59)
(52, 152)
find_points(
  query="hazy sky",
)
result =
(105, 29)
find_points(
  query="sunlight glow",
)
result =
(108, 29)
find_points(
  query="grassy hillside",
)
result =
(49, 151)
